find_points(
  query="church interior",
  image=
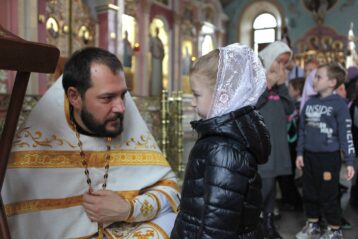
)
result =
(158, 40)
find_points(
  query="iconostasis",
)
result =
(69, 25)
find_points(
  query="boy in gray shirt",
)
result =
(325, 131)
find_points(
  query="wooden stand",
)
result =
(24, 57)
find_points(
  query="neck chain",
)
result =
(107, 157)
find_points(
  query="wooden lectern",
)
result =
(24, 57)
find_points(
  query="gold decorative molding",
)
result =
(105, 8)
(41, 18)
(114, 7)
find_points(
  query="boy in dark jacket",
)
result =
(325, 131)
(221, 195)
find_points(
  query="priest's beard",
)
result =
(99, 128)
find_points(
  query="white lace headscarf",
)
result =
(240, 80)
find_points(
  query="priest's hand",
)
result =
(105, 206)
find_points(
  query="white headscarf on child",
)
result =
(240, 80)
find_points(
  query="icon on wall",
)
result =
(84, 34)
(52, 27)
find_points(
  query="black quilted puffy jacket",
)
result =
(221, 194)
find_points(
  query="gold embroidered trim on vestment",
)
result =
(36, 139)
(173, 204)
(145, 141)
(85, 237)
(169, 183)
(145, 232)
(159, 206)
(109, 235)
(131, 210)
(70, 159)
(159, 229)
(146, 208)
(36, 205)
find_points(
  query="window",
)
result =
(264, 27)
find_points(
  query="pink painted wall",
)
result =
(8, 15)
(8, 19)
(107, 21)
(103, 29)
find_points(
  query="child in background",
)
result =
(221, 195)
(295, 88)
(291, 198)
(325, 130)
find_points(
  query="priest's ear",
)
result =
(74, 97)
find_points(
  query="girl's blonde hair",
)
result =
(207, 66)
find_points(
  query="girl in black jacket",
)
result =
(221, 195)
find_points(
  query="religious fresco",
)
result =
(73, 24)
(57, 25)
(52, 27)
(159, 55)
(83, 26)
(186, 63)
(129, 48)
(188, 49)
(69, 36)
